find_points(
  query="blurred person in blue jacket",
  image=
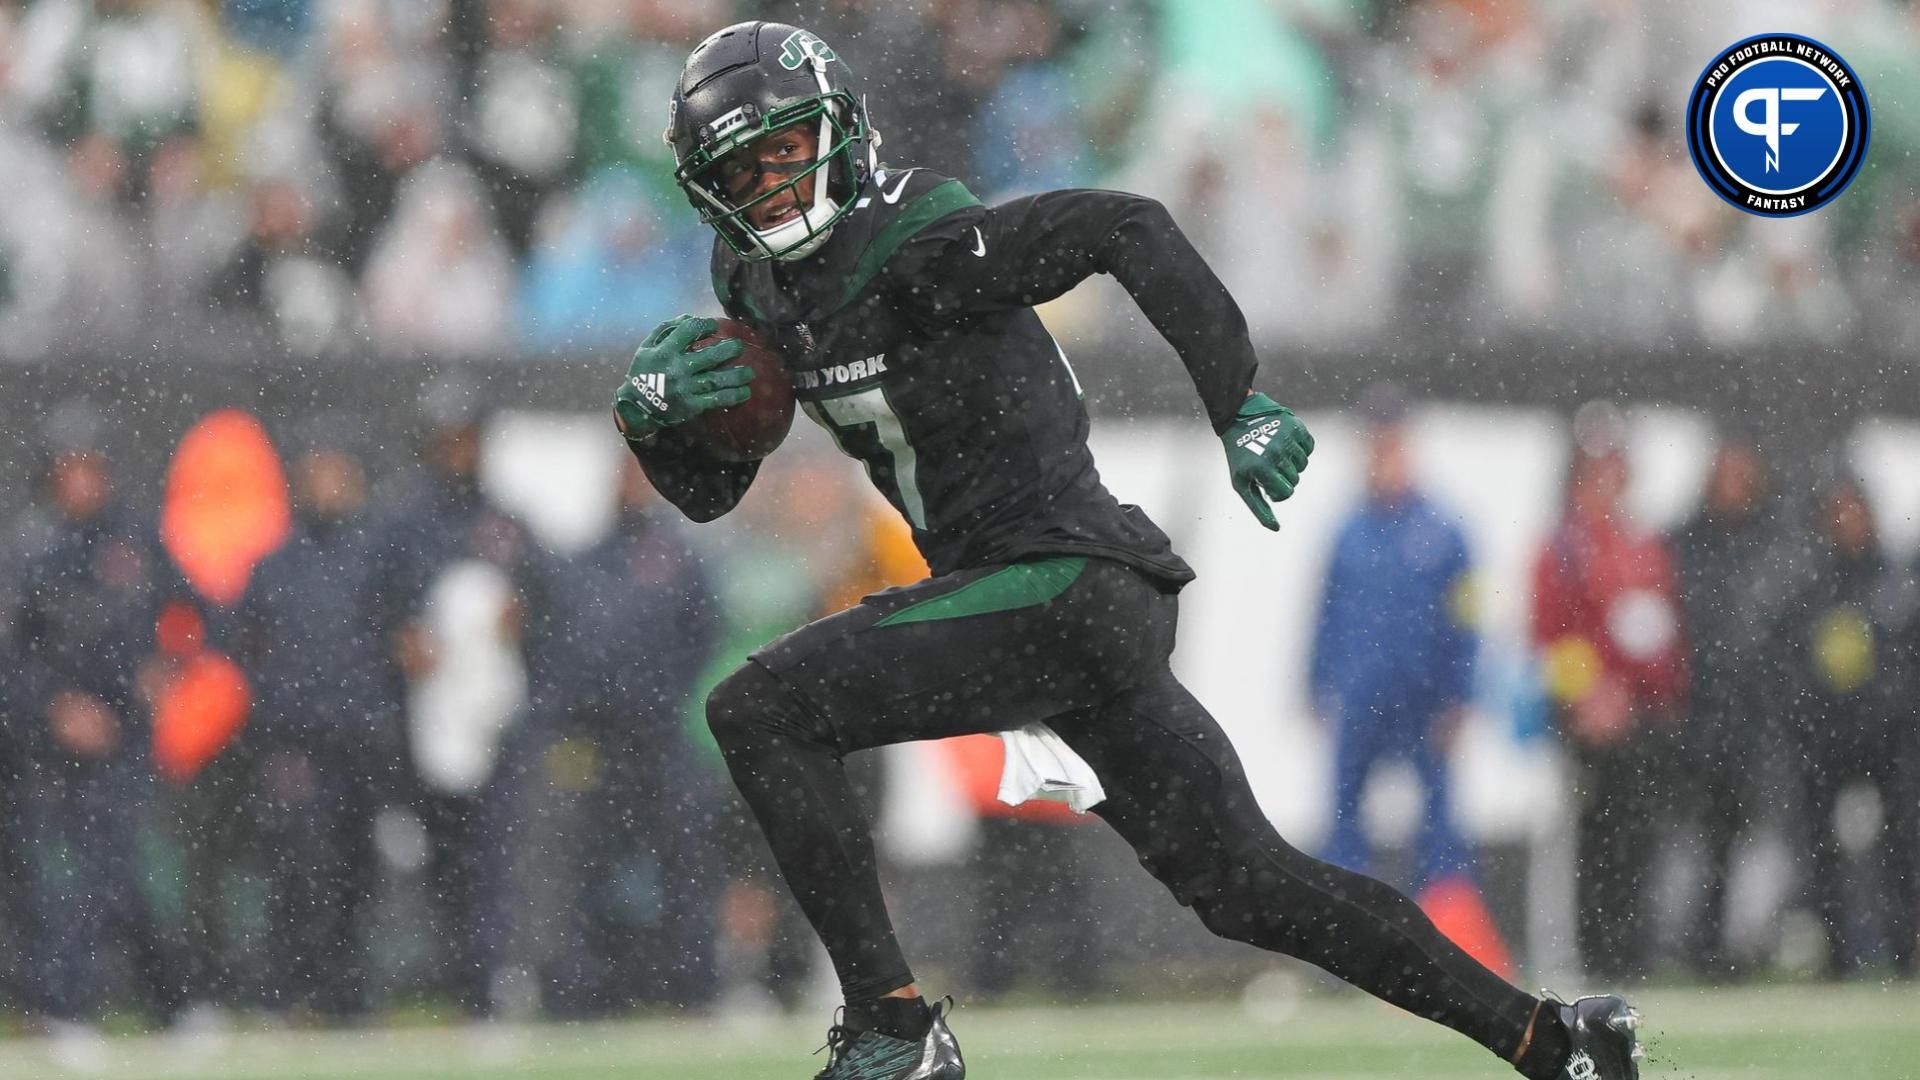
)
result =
(1030, 133)
(605, 259)
(1393, 651)
(324, 729)
(88, 599)
(282, 27)
(618, 635)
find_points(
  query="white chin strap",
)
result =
(795, 230)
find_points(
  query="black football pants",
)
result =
(1082, 644)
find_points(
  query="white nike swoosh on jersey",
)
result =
(893, 196)
(980, 242)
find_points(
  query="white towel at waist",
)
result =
(1040, 765)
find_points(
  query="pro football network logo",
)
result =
(1778, 125)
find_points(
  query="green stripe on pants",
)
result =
(1020, 585)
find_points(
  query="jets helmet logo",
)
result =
(802, 45)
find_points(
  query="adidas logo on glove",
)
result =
(1257, 439)
(653, 388)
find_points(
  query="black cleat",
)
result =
(1604, 1032)
(860, 1054)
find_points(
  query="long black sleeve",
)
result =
(1033, 249)
(702, 486)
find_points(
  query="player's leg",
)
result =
(1177, 793)
(980, 650)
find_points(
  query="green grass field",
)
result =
(1856, 1032)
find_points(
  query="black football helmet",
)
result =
(750, 80)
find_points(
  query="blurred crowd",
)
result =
(235, 732)
(299, 739)
(245, 760)
(487, 177)
(1751, 674)
(1756, 669)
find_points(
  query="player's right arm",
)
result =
(668, 383)
(977, 261)
(1032, 249)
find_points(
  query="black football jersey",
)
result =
(911, 337)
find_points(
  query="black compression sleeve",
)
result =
(1033, 249)
(702, 486)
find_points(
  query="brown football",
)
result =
(752, 429)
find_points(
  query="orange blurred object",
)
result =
(888, 558)
(226, 505)
(200, 708)
(1460, 912)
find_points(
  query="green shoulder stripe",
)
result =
(943, 199)
(1020, 585)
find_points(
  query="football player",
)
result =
(904, 309)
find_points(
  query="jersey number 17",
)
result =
(866, 428)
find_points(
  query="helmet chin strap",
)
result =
(873, 141)
(806, 232)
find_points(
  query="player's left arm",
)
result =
(1033, 249)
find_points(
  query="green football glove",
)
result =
(670, 383)
(1267, 448)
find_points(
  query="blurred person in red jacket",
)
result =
(1606, 617)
